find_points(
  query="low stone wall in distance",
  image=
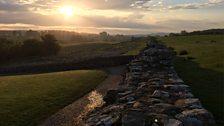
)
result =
(152, 94)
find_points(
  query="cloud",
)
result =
(166, 5)
(17, 26)
(196, 5)
(216, 1)
(112, 15)
(28, 18)
(187, 6)
(127, 31)
(109, 4)
(47, 5)
(147, 4)
(115, 22)
(83, 21)
(136, 16)
(6, 6)
(90, 4)
(130, 28)
(190, 25)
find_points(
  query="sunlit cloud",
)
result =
(197, 5)
(216, 1)
(125, 16)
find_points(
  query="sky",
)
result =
(113, 16)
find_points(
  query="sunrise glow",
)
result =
(113, 16)
(68, 11)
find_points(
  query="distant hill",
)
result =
(204, 32)
(208, 32)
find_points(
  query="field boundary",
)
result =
(151, 93)
(95, 63)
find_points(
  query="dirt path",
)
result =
(71, 115)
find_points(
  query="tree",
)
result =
(9, 49)
(32, 47)
(184, 32)
(5, 47)
(104, 35)
(46, 46)
(51, 47)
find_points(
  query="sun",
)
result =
(68, 11)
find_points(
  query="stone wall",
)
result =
(151, 94)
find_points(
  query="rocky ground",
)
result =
(151, 94)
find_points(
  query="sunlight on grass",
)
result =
(205, 72)
(28, 99)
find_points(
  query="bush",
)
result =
(8, 49)
(30, 47)
(171, 48)
(190, 58)
(50, 45)
(47, 46)
(183, 52)
(212, 41)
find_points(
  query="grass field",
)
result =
(103, 49)
(26, 100)
(204, 73)
(80, 52)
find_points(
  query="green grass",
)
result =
(77, 53)
(26, 100)
(104, 49)
(205, 73)
(137, 48)
(88, 51)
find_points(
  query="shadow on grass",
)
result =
(206, 84)
(95, 63)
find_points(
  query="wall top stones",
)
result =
(151, 94)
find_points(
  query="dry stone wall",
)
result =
(151, 94)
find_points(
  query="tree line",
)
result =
(46, 46)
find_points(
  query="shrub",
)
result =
(183, 52)
(8, 49)
(30, 47)
(190, 58)
(212, 41)
(171, 48)
(51, 47)
(47, 46)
